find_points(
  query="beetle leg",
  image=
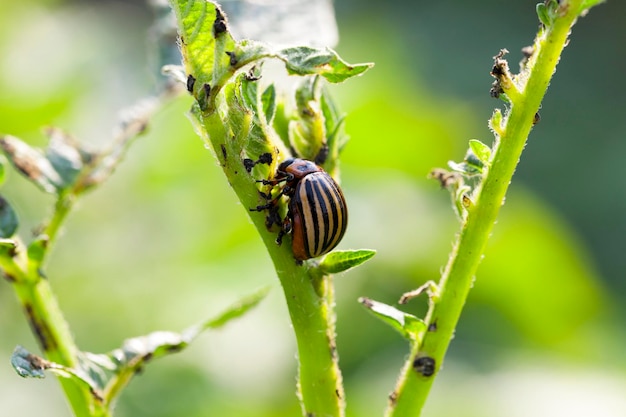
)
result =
(271, 201)
(266, 196)
(265, 158)
(272, 217)
(262, 207)
(279, 238)
(285, 229)
(277, 180)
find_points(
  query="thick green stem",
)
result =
(310, 302)
(312, 317)
(414, 383)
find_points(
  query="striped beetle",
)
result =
(317, 215)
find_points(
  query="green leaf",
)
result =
(302, 60)
(236, 310)
(268, 99)
(8, 248)
(307, 132)
(239, 118)
(495, 122)
(281, 122)
(2, 169)
(340, 261)
(465, 167)
(482, 151)
(134, 352)
(107, 374)
(31, 163)
(195, 117)
(8, 219)
(204, 36)
(65, 156)
(305, 60)
(249, 51)
(336, 138)
(544, 14)
(28, 365)
(262, 107)
(249, 93)
(406, 324)
(473, 162)
(247, 121)
(123, 363)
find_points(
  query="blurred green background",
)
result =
(163, 244)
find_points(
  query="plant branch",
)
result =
(310, 306)
(527, 93)
(55, 339)
(230, 116)
(24, 267)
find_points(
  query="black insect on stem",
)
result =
(537, 118)
(264, 158)
(322, 155)
(219, 25)
(233, 58)
(248, 164)
(424, 365)
(203, 96)
(191, 81)
(272, 218)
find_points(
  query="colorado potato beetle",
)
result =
(317, 214)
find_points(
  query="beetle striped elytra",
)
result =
(317, 214)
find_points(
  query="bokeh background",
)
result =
(165, 243)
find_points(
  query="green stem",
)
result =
(45, 317)
(55, 339)
(414, 385)
(319, 380)
(43, 312)
(62, 207)
(310, 302)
